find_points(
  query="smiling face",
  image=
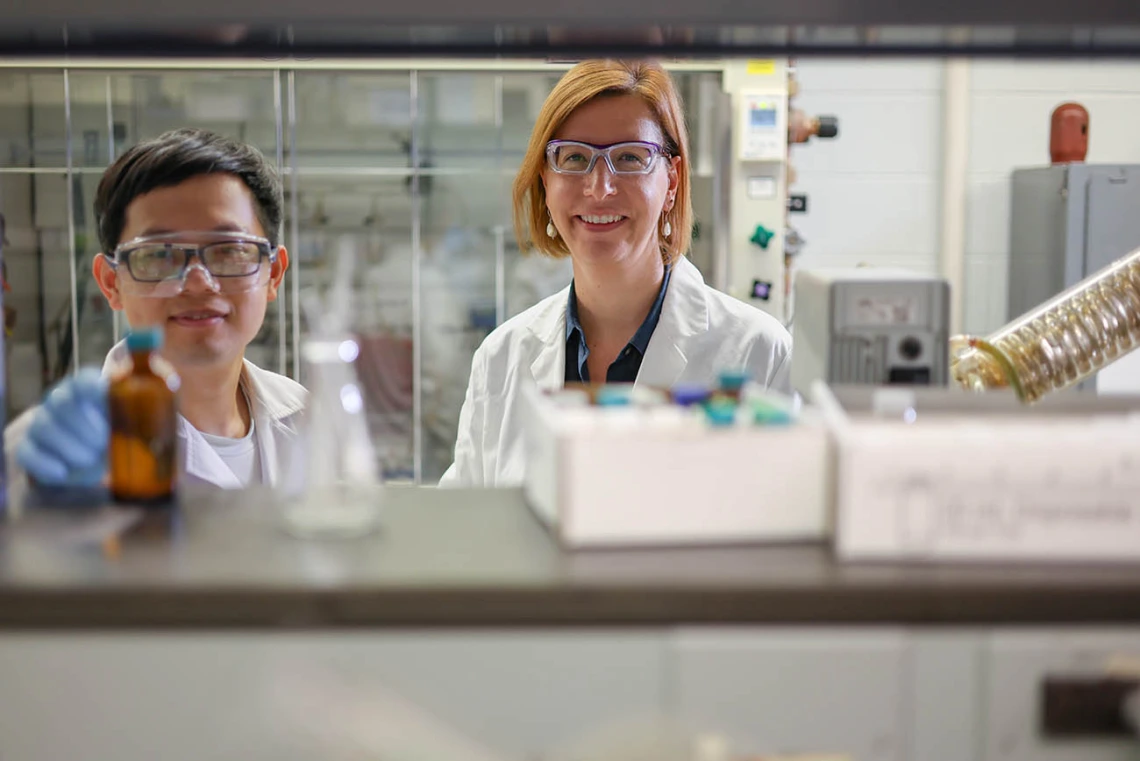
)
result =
(607, 217)
(202, 326)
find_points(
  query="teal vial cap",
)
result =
(733, 380)
(720, 412)
(144, 339)
(614, 396)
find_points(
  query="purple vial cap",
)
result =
(687, 396)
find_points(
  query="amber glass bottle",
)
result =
(144, 424)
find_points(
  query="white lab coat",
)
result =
(701, 332)
(276, 402)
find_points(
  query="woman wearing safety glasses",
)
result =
(188, 223)
(605, 181)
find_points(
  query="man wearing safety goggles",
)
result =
(188, 225)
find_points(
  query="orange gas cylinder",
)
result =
(1069, 134)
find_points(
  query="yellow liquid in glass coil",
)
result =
(1060, 343)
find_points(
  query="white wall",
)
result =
(1011, 107)
(874, 193)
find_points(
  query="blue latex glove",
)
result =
(67, 442)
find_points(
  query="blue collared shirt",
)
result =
(624, 369)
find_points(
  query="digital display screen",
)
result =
(884, 311)
(764, 117)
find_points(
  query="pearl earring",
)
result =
(667, 229)
(551, 232)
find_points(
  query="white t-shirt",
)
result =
(239, 455)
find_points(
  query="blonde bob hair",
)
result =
(586, 81)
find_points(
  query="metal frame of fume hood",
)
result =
(138, 13)
(290, 29)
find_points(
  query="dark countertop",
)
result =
(479, 559)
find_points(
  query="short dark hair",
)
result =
(175, 157)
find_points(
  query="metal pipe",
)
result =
(500, 243)
(72, 268)
(327, 64)
(294, 226)
(116, 316)
(722, 196)
(417, 255)
(955, 166)
(280, 155)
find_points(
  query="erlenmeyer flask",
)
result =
(329, 477)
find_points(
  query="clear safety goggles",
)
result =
(158, 265)
(572, 157)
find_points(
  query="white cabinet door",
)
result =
(795, 691)
(481, 695)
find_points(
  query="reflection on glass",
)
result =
(459, 121)
(32, 123)
(422, 204)
(111, 111)
(458, 305)
(373, 215)
(34, 206)
(95, 317)
(353, 121)
(413, 168)
(523, 94)
(529, 277)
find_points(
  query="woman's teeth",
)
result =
(601, 220)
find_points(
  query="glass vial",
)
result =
(144, 424)
(1064, 341)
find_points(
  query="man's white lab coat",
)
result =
(275, 402)
(701, 333)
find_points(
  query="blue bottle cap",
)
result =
(733, 380)
(687, 396)
(144, 339)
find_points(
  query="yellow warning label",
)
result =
(761, 67)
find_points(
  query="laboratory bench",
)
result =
(222, 636)
(447, 557)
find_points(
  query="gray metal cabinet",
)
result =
(780, 690)
(1016, 664)
(332, 696)
(943, 717)
(1066, 223)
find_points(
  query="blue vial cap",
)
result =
(720, 412)
(687, 396)
(733, 380)
(614, 396)
(144, 339)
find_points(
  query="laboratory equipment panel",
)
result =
(870, 326)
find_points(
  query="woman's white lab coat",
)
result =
(276, 402)
(701, 332)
